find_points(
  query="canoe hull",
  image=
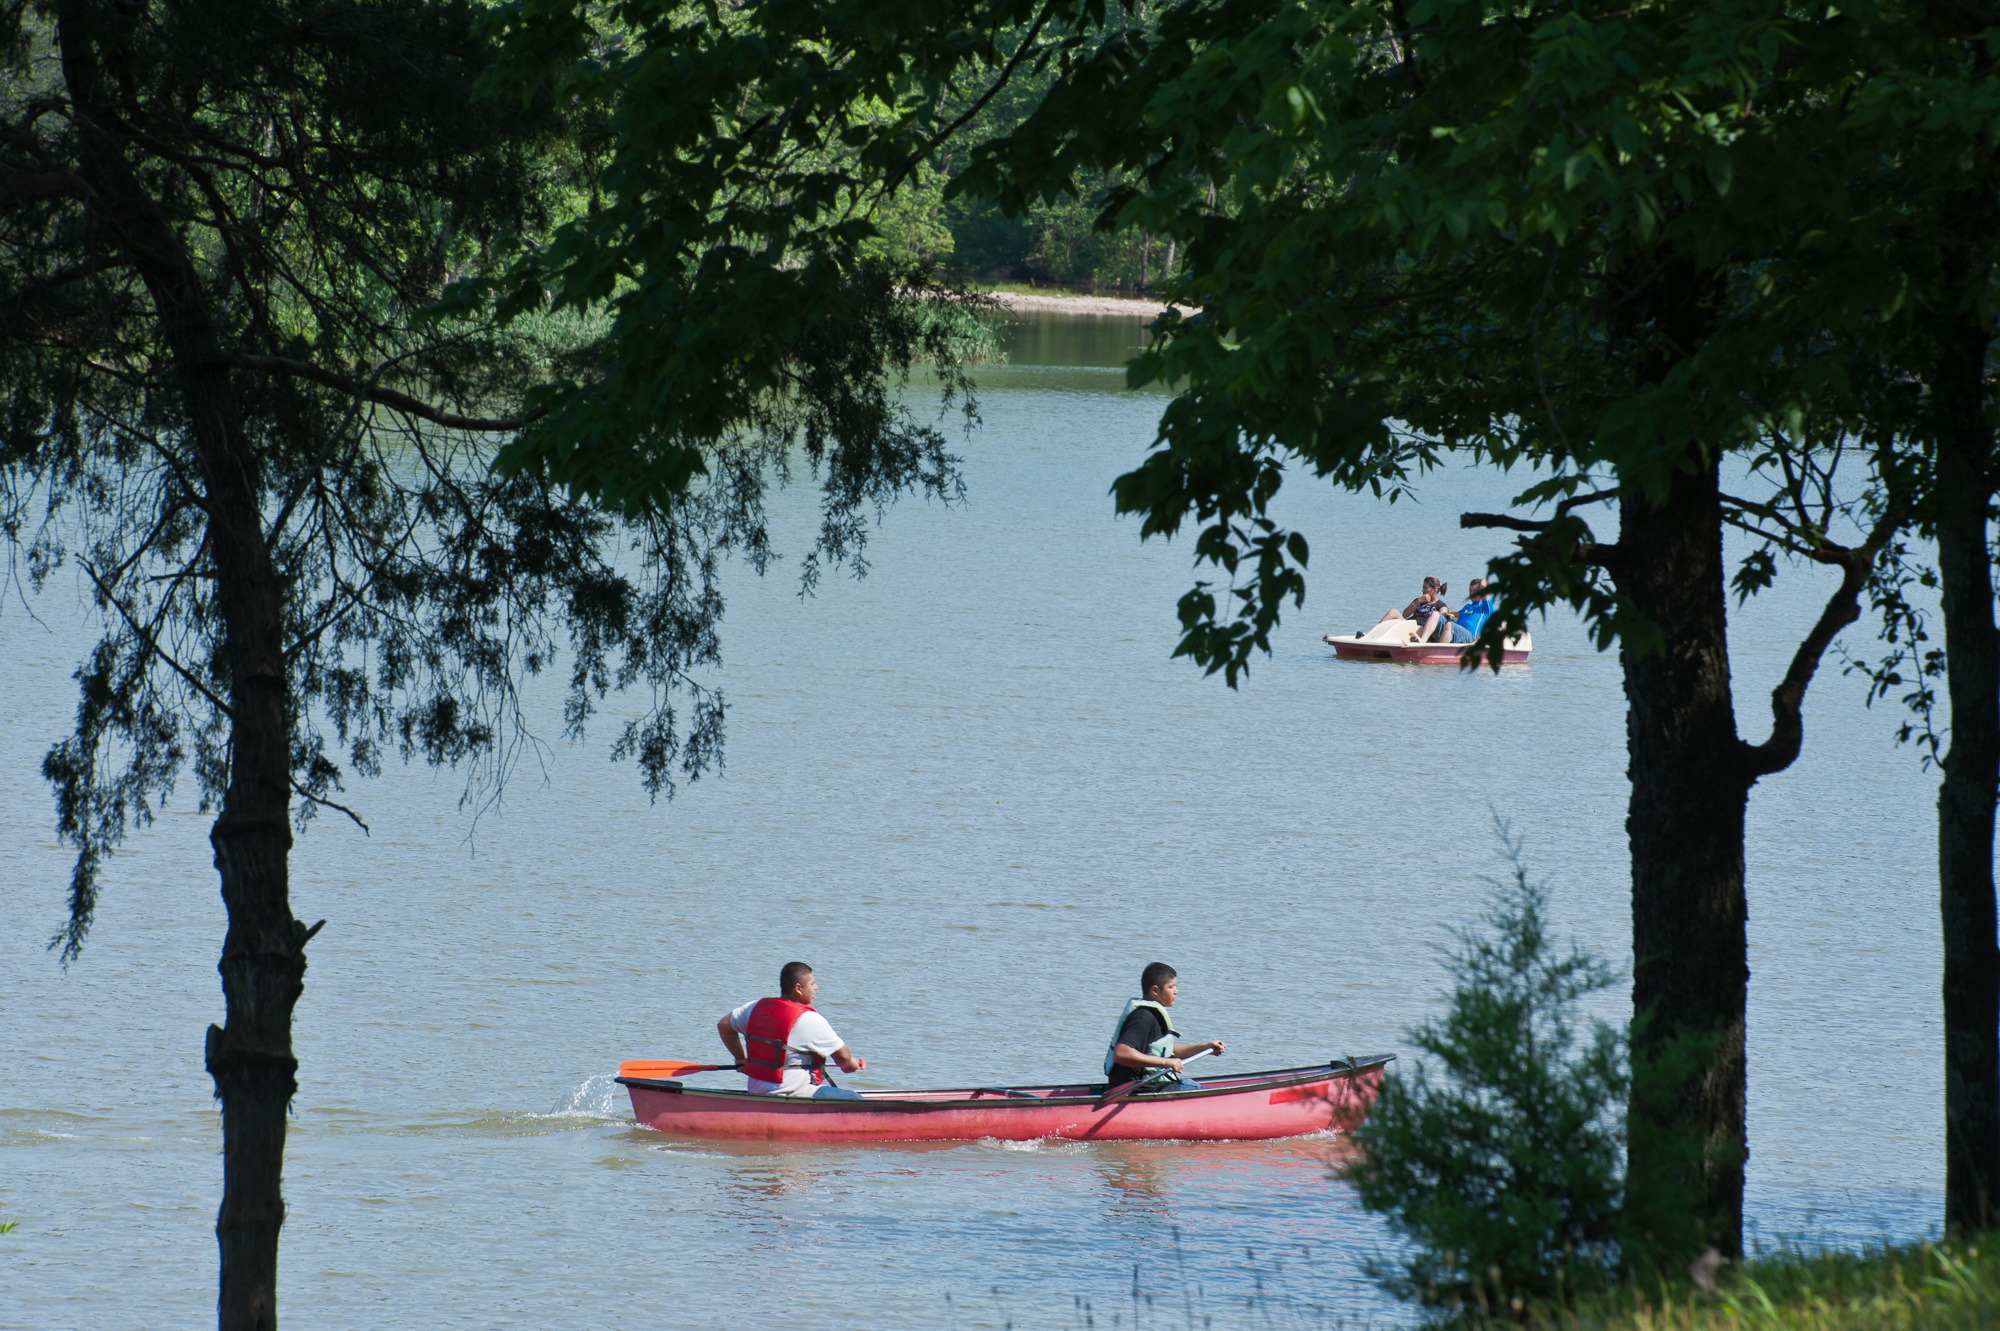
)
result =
(1255, 1106)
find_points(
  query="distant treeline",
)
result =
(1050, 243)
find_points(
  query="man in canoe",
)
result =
(1144, 1036)
(783, 1046)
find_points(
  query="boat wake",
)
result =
(1034, 1144)
(599, 1099)
(594, 1103)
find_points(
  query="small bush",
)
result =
(1504, 1172)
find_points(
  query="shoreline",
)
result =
(1105, 306)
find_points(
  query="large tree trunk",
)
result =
(1965, 484)
(263, 953)
(1690, 948)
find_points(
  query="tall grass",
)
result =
(1930, 1287)
(1953, 1286)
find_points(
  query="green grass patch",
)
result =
(1930, 1287)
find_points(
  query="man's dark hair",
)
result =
(795, 971)
(1158, 972)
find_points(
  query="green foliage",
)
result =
(760, 239)
(1502, 1170)
(1591, 237)
(321, 174)
(328, 173)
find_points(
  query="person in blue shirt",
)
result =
(1464, 626)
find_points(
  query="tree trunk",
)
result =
(1965, 484)
(1690, 948)
(263, 952)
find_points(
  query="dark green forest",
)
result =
(1047, 243)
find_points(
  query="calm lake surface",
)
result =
(977, 794)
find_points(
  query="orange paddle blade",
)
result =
(657, 1068)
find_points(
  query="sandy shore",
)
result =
(1058, 303)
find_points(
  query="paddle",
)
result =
(824, 1071)
(1146, 1080)
(667, 1068)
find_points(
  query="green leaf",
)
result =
(1721, 170)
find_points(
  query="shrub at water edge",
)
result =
(1504, 1169)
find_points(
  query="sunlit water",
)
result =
(977, 794)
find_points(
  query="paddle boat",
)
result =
(1391, 640)
(1253, 1105)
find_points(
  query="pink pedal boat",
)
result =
(1252, 1106)
(1390, 641)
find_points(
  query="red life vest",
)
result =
(764, 1036)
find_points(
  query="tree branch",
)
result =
(909, 164)
(1501, 520)
(17, 189)
(1582, 552)
(153, 643)
(305, 794)
(76, 272)
(388, 397)
(1842, 608)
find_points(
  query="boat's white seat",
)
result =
(1396, 631)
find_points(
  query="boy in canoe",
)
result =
(782, 1045)
(1143, 1039)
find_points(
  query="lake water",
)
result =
(977, 794)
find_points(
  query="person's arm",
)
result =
(1125, 1056)
(817, 1035)
(1190, 1050)
(730, 1039)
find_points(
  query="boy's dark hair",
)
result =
(1159, 972)
(790, 975)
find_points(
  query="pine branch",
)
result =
(387, 397)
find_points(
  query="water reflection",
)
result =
(772, 1183)
(1136, 1180)
(1036, 338)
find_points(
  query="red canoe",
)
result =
(1253, 1105)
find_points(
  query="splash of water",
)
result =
(598, 1097)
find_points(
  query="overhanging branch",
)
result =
(909, 164)
(152, 642)
(305, 794)
(387, 397)
(1842, 608)
(16, 300)
(1579, 552)
(1501, 520)
(17, 189)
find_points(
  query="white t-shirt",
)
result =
(811, 1034)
